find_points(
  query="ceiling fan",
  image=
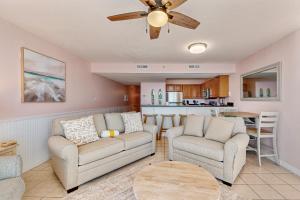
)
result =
(159, 14)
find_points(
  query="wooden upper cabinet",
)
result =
(219, 86)
(224, 86)
(191, 91)
(174, 88)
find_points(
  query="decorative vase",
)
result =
(160, 97)
(152, 97)
(261, 92)
(268, 92)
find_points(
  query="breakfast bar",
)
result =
(178, 110)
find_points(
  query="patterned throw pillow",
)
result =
(132, 122)
(80, 131)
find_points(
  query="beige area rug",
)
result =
(117, 185)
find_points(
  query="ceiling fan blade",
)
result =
(150, 3)
(172, 4)
(127, 16)
(183, 20)
(154, 32)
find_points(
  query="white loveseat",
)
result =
(224, 161)
(75, 165)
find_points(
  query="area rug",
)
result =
(118, 184)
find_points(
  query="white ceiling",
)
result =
(233, 29)
(137, 78)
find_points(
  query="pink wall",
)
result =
(84, 89)
(146, 88)
(287, 50)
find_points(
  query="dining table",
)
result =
(240, 114)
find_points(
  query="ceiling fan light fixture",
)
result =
(197, 48)
(158, 18)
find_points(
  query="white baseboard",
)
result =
(289, 167)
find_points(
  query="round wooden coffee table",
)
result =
(175, 180)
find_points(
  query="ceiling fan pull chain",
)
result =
(146, 26)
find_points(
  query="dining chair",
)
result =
(266, 128)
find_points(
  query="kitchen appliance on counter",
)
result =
(174, 98)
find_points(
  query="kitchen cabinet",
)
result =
(219, 86)
(191, 91)
(174, 88)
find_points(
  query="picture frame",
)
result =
(43, 78)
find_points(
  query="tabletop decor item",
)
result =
(160, 97)
(43, 78)
(8, 148)
(152, 97)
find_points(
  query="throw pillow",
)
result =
(133, 122)
(114, 122)
(194, 125)
(219, 130)
(109, 133)
(80, 131)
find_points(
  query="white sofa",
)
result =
(224, 161)
(11, 184)
(75, 165)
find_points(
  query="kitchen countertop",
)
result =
(204, 106)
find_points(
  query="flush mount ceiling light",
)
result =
(158, 18)
(197, 48)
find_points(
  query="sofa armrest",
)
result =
(10, 167)
(153, 130)
(235, 156)
(63, 148)
(171, 134)
(64, 160)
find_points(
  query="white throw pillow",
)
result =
(194, 125)
(109, 133)
(133, 122)
(219, 130)
(80, 131)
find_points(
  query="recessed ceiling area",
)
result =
(233, 29)
(137, 78)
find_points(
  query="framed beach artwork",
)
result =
(43, 78)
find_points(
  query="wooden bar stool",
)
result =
(146, 116)
(162, 128)
(182, 119)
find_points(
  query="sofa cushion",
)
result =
(219, 130)
(200, 146)
(239, 124)
(98, 150)
(114, 121)
(132, 140)
(99, 123)
(194, 125)
(132, 122)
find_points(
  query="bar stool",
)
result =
(162, 129)
(146, 116)
(182, 119)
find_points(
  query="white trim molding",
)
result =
(32, 133)
(289, 167)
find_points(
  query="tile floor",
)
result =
(267, 182)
